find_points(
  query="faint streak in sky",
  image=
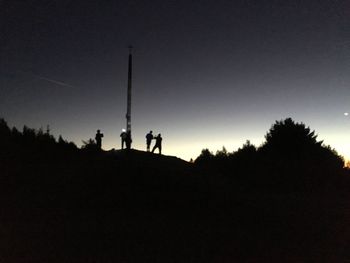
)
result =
(29, 74)
(14, 74)
(60, 83)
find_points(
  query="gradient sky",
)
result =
(206, 74)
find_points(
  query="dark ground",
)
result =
(140, 207)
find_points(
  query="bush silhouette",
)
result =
(90, 146)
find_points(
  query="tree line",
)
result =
(291, 159)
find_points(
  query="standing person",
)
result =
(149, 138)
(128, 140)
(123, 136)
(98, 139)
(158, 143)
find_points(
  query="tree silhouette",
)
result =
(248, 150)
(289, 139)
(294, 160)
(4, 129)
(205, 157)
(31, 143)
(221, 153)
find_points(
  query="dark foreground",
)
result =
(139, 207)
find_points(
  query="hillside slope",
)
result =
(130, 206)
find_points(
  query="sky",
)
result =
(206, 74)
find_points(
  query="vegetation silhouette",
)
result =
(284, 201)
(31, 143)
(290, 160)
(90, 145)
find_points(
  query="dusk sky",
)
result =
(206, 74)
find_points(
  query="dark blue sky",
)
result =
(206, 73)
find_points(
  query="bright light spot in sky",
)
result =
(346, 113)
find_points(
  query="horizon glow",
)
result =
(189, 146)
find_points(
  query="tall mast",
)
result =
(128, 111)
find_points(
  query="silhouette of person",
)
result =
(149, 138)
(158, 143)
(98, 139)
(128, 140)
(123, 136)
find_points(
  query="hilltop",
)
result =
(64, 204)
